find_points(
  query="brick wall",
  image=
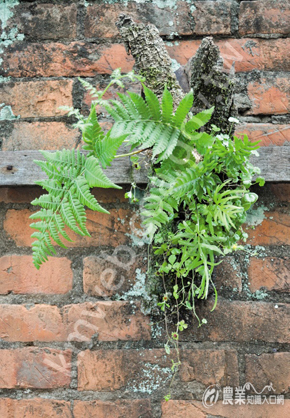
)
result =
(73, 340)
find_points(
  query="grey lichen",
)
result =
(151, 57)
(211, 85)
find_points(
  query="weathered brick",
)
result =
(20, 194)
(228, 275)
(269, 96)
(241, 322)
(39, 323)
(209, 367)
(110, 274)
(18, 275)
(45, 21)
(269, 368)
(37, 98)
(104, 229)
(119, 409)
(264, 16)
(40, 135)
(271, 273)
(60, 60)
(281, 191)
(108, 370)
(245, 54)
(190, 409)
(111, 321)
(274, 230)
(267, 133)
(34, 408)
(211, 17)
(204, 18)
(41, 368)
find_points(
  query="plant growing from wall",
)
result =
(196, 199)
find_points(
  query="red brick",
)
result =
(241, 322)
(34, 408)
(59, 60)
(269, 368)
(209, 367)
(18, 275)
(267, 133)
(274, 230)
(228, 275)
(111, 321)
(104, 229)
(40, 368)
(269, 96)
(37, 98)
(245, 54)
(45, 21)
(281, 191)
(264, 16)
(212, 18)
(39, 323)
(108, 370)
(119, 409)
(40, 135)
(271, 273)
(190, 409)
(19, 194)
(110, 274)
(205, 18)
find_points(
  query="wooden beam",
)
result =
(17, 167)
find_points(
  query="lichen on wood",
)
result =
(151, 57)
(211, 85)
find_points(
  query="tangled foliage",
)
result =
(196, 199)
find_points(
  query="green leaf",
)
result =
(199, 120)
(108, 147)
(95, 176)
(182, 110)
(85, 197)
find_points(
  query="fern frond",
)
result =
(107, 149)
(79, 212)
(171, 144)
(185, 183)
(52, 186)
(84, 195)
(167, 133)
(199, 120)
(129, 105)
(167, 106)
(140, 105)
(184, 107)
(91, 130)
(152, 103)
(95, 176)
(68, 217)
(47, 201)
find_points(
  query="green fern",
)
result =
(71, 175)
(149, 125)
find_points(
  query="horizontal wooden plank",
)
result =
(17, 167)
(274, 163)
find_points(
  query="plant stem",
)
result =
(130, 153)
